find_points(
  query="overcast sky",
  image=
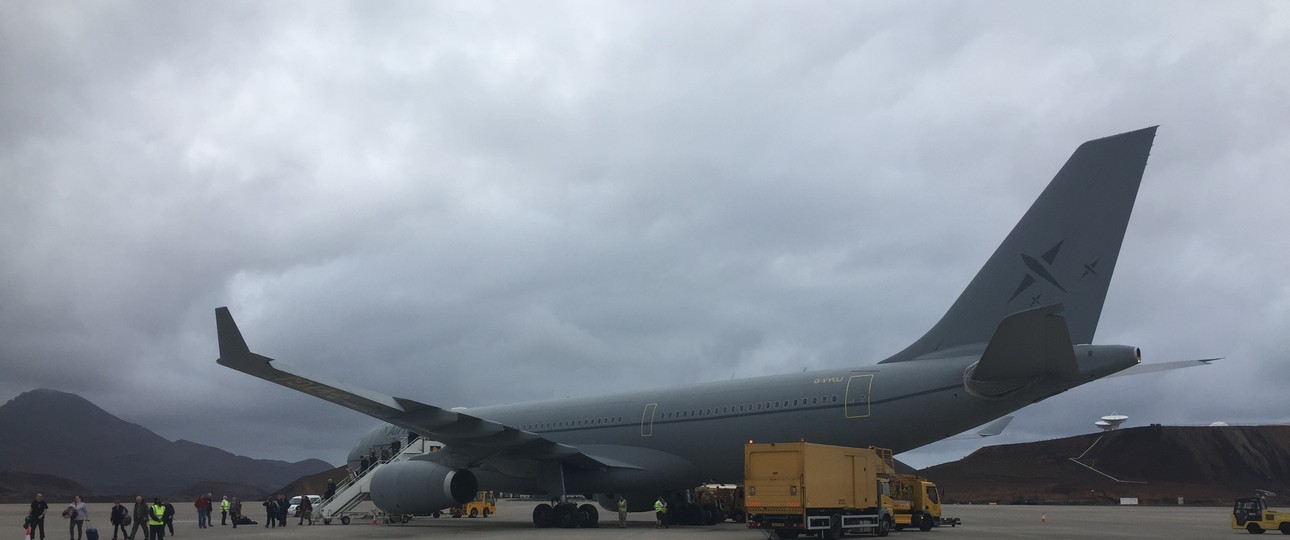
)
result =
(477, 203)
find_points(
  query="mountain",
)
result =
(314, 484)
(18, 487)
(66, 436)
(1156, 464)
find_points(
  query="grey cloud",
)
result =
(507, 198)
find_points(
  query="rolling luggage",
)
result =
(91, 534)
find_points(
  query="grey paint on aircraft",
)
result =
(1019, 333)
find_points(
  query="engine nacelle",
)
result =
(421, 487)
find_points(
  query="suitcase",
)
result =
(91, 534)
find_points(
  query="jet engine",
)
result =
(420, 487)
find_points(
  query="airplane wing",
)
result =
(994, 428)
(1162, 366)
(989, 430)
(468, 440)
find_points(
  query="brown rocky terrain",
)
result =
(1156, 464)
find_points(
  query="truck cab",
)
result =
(916, 502)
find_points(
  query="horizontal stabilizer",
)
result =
(1026, 346)
(1163, 366)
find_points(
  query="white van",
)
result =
(295, 503)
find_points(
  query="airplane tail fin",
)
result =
(1063, 251)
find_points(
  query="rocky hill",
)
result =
(66, 436)
(1156, 464)
(18, 487)
(314, 484)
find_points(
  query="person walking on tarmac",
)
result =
(660, 512)
(223, 511)
(169, 516)
(140, 513)
(77, 513)
(306, 510)
(622, 512)
(119, 519)
(156, 520)
(38, 510)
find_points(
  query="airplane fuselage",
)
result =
(901, 406)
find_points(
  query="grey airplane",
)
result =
(1020, 332)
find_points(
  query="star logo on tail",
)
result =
(1091, 268)
(1038, 269)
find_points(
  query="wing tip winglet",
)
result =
(231, 343)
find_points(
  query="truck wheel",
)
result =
(924, 522)
(485, 512)
(474, 512)
(884, 526)
(1254, 528)
(834, 532)
(1285, 528)
(344, 520)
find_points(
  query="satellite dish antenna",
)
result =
(1111, 421)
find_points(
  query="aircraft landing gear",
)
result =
(566, 515)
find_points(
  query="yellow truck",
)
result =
(1253, 514)
(916, 503)
(805, 488)
(725, 501)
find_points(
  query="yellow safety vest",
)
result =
(660, 506)
(622, 505)
(223, 506)
(156, 517)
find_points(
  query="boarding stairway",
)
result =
(356, 487)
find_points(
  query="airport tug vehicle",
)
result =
(484, 504)
(1253, 514)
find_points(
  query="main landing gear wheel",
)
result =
(588, 517)
(543, 516)
(566, 516)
